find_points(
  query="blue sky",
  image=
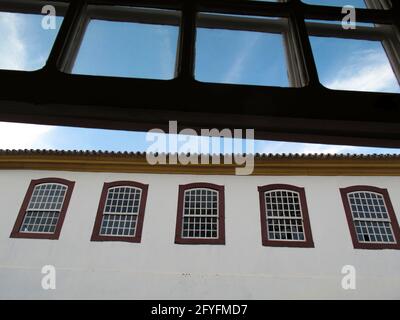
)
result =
(149, 51)
(355, 3)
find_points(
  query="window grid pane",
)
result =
(284, 216)
(200, 214)
(121, 211)
(370, 217)
(44, 208)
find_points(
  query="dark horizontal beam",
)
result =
(254, 8)
(304, 114)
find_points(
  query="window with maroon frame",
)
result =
(120, 213)
(43, 210)
(201, 216)
(371, 218)
(284, 216)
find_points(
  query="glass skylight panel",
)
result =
(363, 57)
(355, 3)
(353, 64)
(142, 45)
(25, 44)
(241, 50)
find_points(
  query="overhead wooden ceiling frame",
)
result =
(306, 112)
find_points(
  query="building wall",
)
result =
(157, 268)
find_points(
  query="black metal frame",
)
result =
(312, 113)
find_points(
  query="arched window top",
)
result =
(48, 196)
(284, 216)
(200, 218)
(285, 191)
(280, 187)
(121, 187)
(209, 190)
(121, 212)
(201, 194)
(43, 210)
(371, 218)
(368, 204)
(201, 185)
(123, 200)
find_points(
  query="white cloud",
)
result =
(24, 136)
(166, 54)
(370, 70)
(12, 49)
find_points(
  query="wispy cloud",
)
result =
(368, 70)
(242, 56)
(167, 52)
(12, 48)
(24, 136)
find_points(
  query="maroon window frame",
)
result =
(393, 220)
(308, 242)
(100, 211)
(221, 214)
(15, 233)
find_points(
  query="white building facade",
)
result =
(246, 253)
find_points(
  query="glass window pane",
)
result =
(24, 44)
(236, 56)
(128, 49)
(349, 64)
(338, 3)
(354, 3)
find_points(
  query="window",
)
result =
(43, 210)
(371, 218)
(121, 212)
(200, 218)
(129, 42)
(363, 57)
(363, 4)
(360, 60)
(239, 50)
(25, 44)
(284, 216)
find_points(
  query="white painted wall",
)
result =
(159, 269)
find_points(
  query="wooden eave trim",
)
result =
(264, 167)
